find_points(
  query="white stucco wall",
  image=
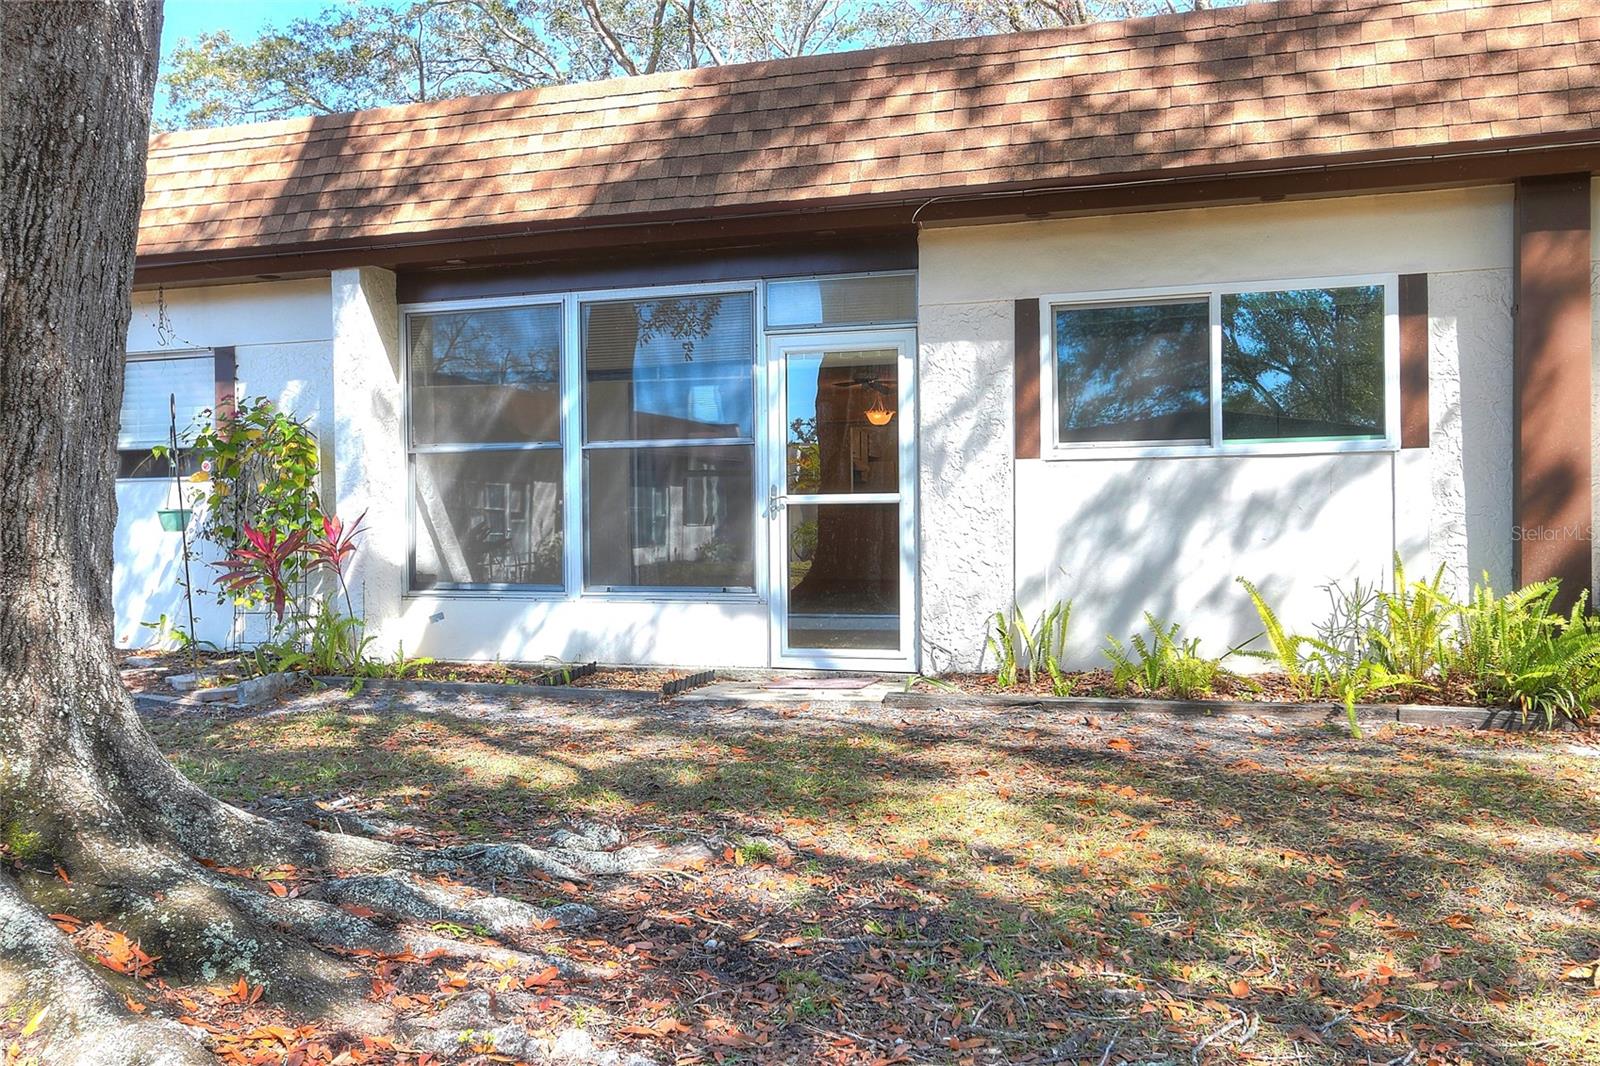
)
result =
(1169, 535)
(282, 335)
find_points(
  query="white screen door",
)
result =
(841, 499)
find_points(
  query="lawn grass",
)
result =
(1116, 890)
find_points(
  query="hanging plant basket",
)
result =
(174, 519)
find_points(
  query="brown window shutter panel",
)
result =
(1413, 360)
(1026, 372)
(225, 369)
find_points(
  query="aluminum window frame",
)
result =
(411, 449)
(574, 334)
(209, 354)
(1056, 450)
(573, 448)
(834, 327)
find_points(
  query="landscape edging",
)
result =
(1405, 713)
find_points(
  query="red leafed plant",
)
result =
(335, 547)
(261, 562)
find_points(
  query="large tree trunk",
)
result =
(78, 84)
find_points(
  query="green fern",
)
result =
(1416, 625)
(1285, 647)
(1164, 663)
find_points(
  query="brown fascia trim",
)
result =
(1552, 349)
(1270, 180)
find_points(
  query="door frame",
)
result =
(777, 500)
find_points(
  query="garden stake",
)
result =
(183, 530)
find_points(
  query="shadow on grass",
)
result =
(1035, 890)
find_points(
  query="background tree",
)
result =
(94, 821)
(353, 56)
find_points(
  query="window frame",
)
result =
(1057, 450)
(208, 354)
(410, 449)
(822, 327)
(574, 499)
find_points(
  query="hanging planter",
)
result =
(174, 519)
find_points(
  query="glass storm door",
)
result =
(841, 500)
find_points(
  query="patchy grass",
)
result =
(1010, 887)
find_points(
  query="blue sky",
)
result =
(242, 18)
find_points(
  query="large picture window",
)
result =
(638, 414)
(486, 461)
(1263, 368)
(669, 442)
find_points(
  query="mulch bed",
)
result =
(1231, 688)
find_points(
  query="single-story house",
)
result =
(819, 362)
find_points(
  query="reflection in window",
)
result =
(489, 376)
(487, 518)
(676, 368)
(1133, 372)
(670, 517)
(844, 576)
(1303, 363)
(841, 406)
(874, 300)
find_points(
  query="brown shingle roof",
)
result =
(1234, 87)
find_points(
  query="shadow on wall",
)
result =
(1170, 536)
(147, 577)
(677, 633)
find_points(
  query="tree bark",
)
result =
(78, 84)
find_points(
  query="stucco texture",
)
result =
(1170, 535)
(281, 335)
(965, 483)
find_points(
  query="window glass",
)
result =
(841, 406)
(842, 301)
(675, 368)
(487, 518)
(1303, 364)
(670, 517)
(149, 386)
(1133, 372)
(489, 376)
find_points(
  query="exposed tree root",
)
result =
(131, 866)
(91, 1026)
(402, 895)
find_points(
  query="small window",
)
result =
(1303, 364)
(152, 388)
(1134, 372)
(873, 300)
(1298, 366)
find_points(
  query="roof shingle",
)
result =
(1296, 79)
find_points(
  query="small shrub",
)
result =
(1003, 643)
(1285, 647)
(1416, 624)
(1518, 649)
(1020, 650)
(1164, 663)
